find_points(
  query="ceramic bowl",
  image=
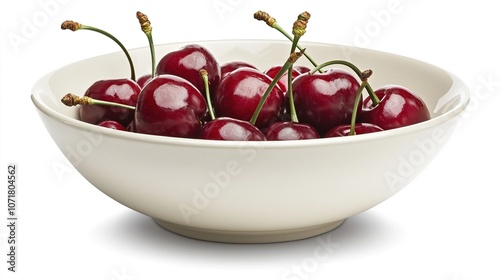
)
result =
(252, 192)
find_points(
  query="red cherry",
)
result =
(325, 100)
(239, 93)
(359, 128)
(302, 69)
(170, 106)
(283, 81)
(112, 125)
(290, 131)
(187, 63)
(229, 67)
(143, 80)
(398, 107)
(230, 129)
(123, 91)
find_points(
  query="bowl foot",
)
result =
(226, 236)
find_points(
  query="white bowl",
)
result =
(252, 192)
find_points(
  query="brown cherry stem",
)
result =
(148, 30)
(270, 21)
(74, 100)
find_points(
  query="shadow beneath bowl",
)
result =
(140, 235)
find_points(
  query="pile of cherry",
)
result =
(190, 94)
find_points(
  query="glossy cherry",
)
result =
(170, 106)
(113, 125)
(283, 81)
(229, 67)
(325, 100)
(123, 91)
(301, 69)
(398, 107)
(187, 63)
(290, 131)
(231, 129)
(239, 93)
(359, 128)
(143, 80)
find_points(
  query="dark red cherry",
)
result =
(301, 69)
(230, 129)
(170, 106)
(283, 81)
(325, 100)
(290, 131)
(239, 93)
(143, 80)
(229, 67)
(398, 107)
(113, 125)
(123, 91)
(187, 63)
(359, 128)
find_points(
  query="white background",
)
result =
(443, 226)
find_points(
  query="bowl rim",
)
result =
(40, 88)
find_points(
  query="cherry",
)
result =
(325, 100)
(239, 93)
(398, 107)
(170, 106)
(229, 67)
(143, 80)
(302, 69)
(290, 131)
(113, 125)
(187, 62)
(283, 81)
(224, 128)
(123, 91)
(359, 128)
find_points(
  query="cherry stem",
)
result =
(358, 72)
(74, 100)
(74, 26)
(270, 21)
(204, 76)
(364, 82)
(288, 64)
(148, 30)
(299, 29)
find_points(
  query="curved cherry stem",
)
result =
(358, 72)
(288, 64)
(364, 83)
(204, 76)
(74, 26)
